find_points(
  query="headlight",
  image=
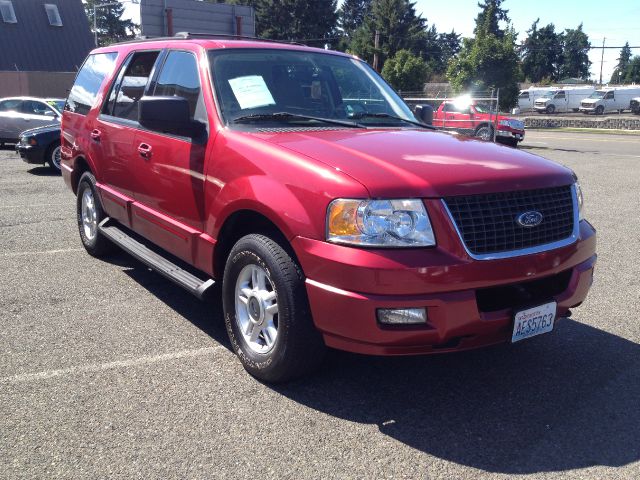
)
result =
(379, 223)
(31, 141)
(580, 200)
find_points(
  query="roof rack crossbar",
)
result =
(213, 36)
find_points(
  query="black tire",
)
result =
(298, 348)
(98, 245)
(551, 109)
(599, 110)
(484, 132)
(52, 156)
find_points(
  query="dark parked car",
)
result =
(41, 145)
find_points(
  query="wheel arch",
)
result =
(80, 165)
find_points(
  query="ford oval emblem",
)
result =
(529, 219)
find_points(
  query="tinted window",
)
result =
(10, 105)
(179, 77)
(560, 95)
(90, 77)
(132, 86)
(524, 95)
(608, 96)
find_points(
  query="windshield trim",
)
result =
(358, 62)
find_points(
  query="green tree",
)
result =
(490, 16)
(450, 45)
(541, 53)
(400, 27)
(624, 59)
(405, 71)
(632, 72)
(488, 61)
(575, 54)
(111, 27)
(352, 14)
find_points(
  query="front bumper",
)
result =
(518, 135)
(347, 285)
(30, 153)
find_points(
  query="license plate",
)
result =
(533, 321)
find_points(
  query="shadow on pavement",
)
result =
(43, 172)
(557, 402)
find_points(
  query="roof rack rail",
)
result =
(213, 36)
(232, 37)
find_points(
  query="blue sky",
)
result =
(617, 20)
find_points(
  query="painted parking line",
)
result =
(42, 252)
(100, 367)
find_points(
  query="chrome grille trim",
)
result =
(523, 251)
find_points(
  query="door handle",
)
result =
(144, 150)
(95, 134)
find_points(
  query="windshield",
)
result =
(597, 94)
(548, 94)
(265, 81)
(57, 104)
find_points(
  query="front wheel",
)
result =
(53, 157)
(599, 110)
(484, 133)
(266, 311)
(551, 109)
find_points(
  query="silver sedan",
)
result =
(18, 114)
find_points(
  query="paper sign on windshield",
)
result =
(251, 91)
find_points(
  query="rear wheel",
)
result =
(266, 311)
(53, 157)
(90, 214)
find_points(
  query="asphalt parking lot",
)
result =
(108, 370)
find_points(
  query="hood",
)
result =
(591, 100)
(423, 163)
(44, 129)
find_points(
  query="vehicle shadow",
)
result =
(557, 402)
(43, 172)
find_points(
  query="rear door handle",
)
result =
(95, 134)
(144, 150)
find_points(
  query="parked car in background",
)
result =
(41, 145)
(527, 98)
(18, 114)
(562, 100)
(475, 118)
(635, 105)
(610, 99)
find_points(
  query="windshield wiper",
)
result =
(387, 115)
(286, 116)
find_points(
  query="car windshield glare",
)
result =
(303, 83)
(597, 95)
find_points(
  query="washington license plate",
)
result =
(533, 321)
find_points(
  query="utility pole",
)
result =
(376, 45)
(602, 59)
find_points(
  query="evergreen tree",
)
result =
(632, 72)
(489, 60)
(541, 52)
(352, 14)
(490, 16)
(575, 54)
(111, 27)
(624, 59)
(400, 27)
(450, 45)
(296, 20)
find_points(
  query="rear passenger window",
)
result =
(125, 97)
(87, 84)
(10, 105)
(179, 77)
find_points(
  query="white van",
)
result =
(565, 99)
(609, 99)
(527, 98)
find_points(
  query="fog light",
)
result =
(402, 316)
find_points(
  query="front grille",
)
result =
(487, 223)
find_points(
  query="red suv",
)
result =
(332, 217)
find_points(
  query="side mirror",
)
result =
(424, 113)
(168, 115)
